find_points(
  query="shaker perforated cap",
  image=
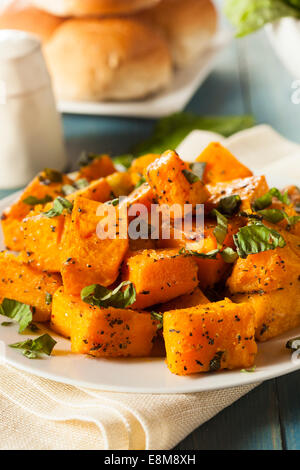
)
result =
(22, 66)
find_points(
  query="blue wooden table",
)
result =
(248, 78)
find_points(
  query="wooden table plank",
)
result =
(289, 407)
(250, 423)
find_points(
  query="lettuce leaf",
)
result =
(250, 15)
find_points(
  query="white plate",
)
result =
(185, 83)
(152, 375)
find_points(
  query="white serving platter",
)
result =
(264, 151)
(185, 83)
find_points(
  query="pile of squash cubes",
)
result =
(165, 284)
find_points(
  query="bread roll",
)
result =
(108, 59)
(29, 19)
(93, 7)
(188, 26)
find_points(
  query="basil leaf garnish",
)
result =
(59, 205)
(100, 296)
(158, 317)
(34, 201)
(21, 313)
(53, 175)
(198, 168)
(229, 205)
(124, 161)
(211, 255)
(256, 238)
(229, 255)
(191, 177)
(272, 215)
(33, 348)
(221, 230)
(266, 200)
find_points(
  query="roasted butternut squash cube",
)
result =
(27, 285)
(42, 240)
(98, 167)
(111, 332)
(221, 165)
(159, 276)
(275, 312)
(248, 189)
(210, 337)
(62, 309)
(172, 182)
(120, 184)
(268, 271)
(98, 190)
(39, 189)
(191, 299)
(139, 166)
(88, 259)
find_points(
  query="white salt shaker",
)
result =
(31, 136)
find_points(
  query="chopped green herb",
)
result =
(59, 205)
(34, 348)
(191, 177)
(249, 371)
(53, 175)
(34, 201)
(86, 158)
(256, 238)
(7, 323)
(124, 161)
(21, 313)
(229, 255)
(68, 189)
(139, 183)
(159, 318)
(221, 230)
(113, 202)
(211, 255)
(271, 215)
(100, 296)
(266, 200)
(198, 168)
(229, 205)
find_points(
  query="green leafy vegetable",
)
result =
(272, 215)
(159, 318)
(221, 230)
(100, 296)
(59, 205)
(170, 131)
(229, 205)
(34, 348)
(198, 168)
(191, 177)
(34, 201)
(21, 313)
(256, 238)
(266, 200)
(250, 15)
(53, 176)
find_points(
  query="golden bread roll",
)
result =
(107, 59)
(93, 7)
(29, 19)
(188, 26)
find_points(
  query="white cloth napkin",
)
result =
(36, 413)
